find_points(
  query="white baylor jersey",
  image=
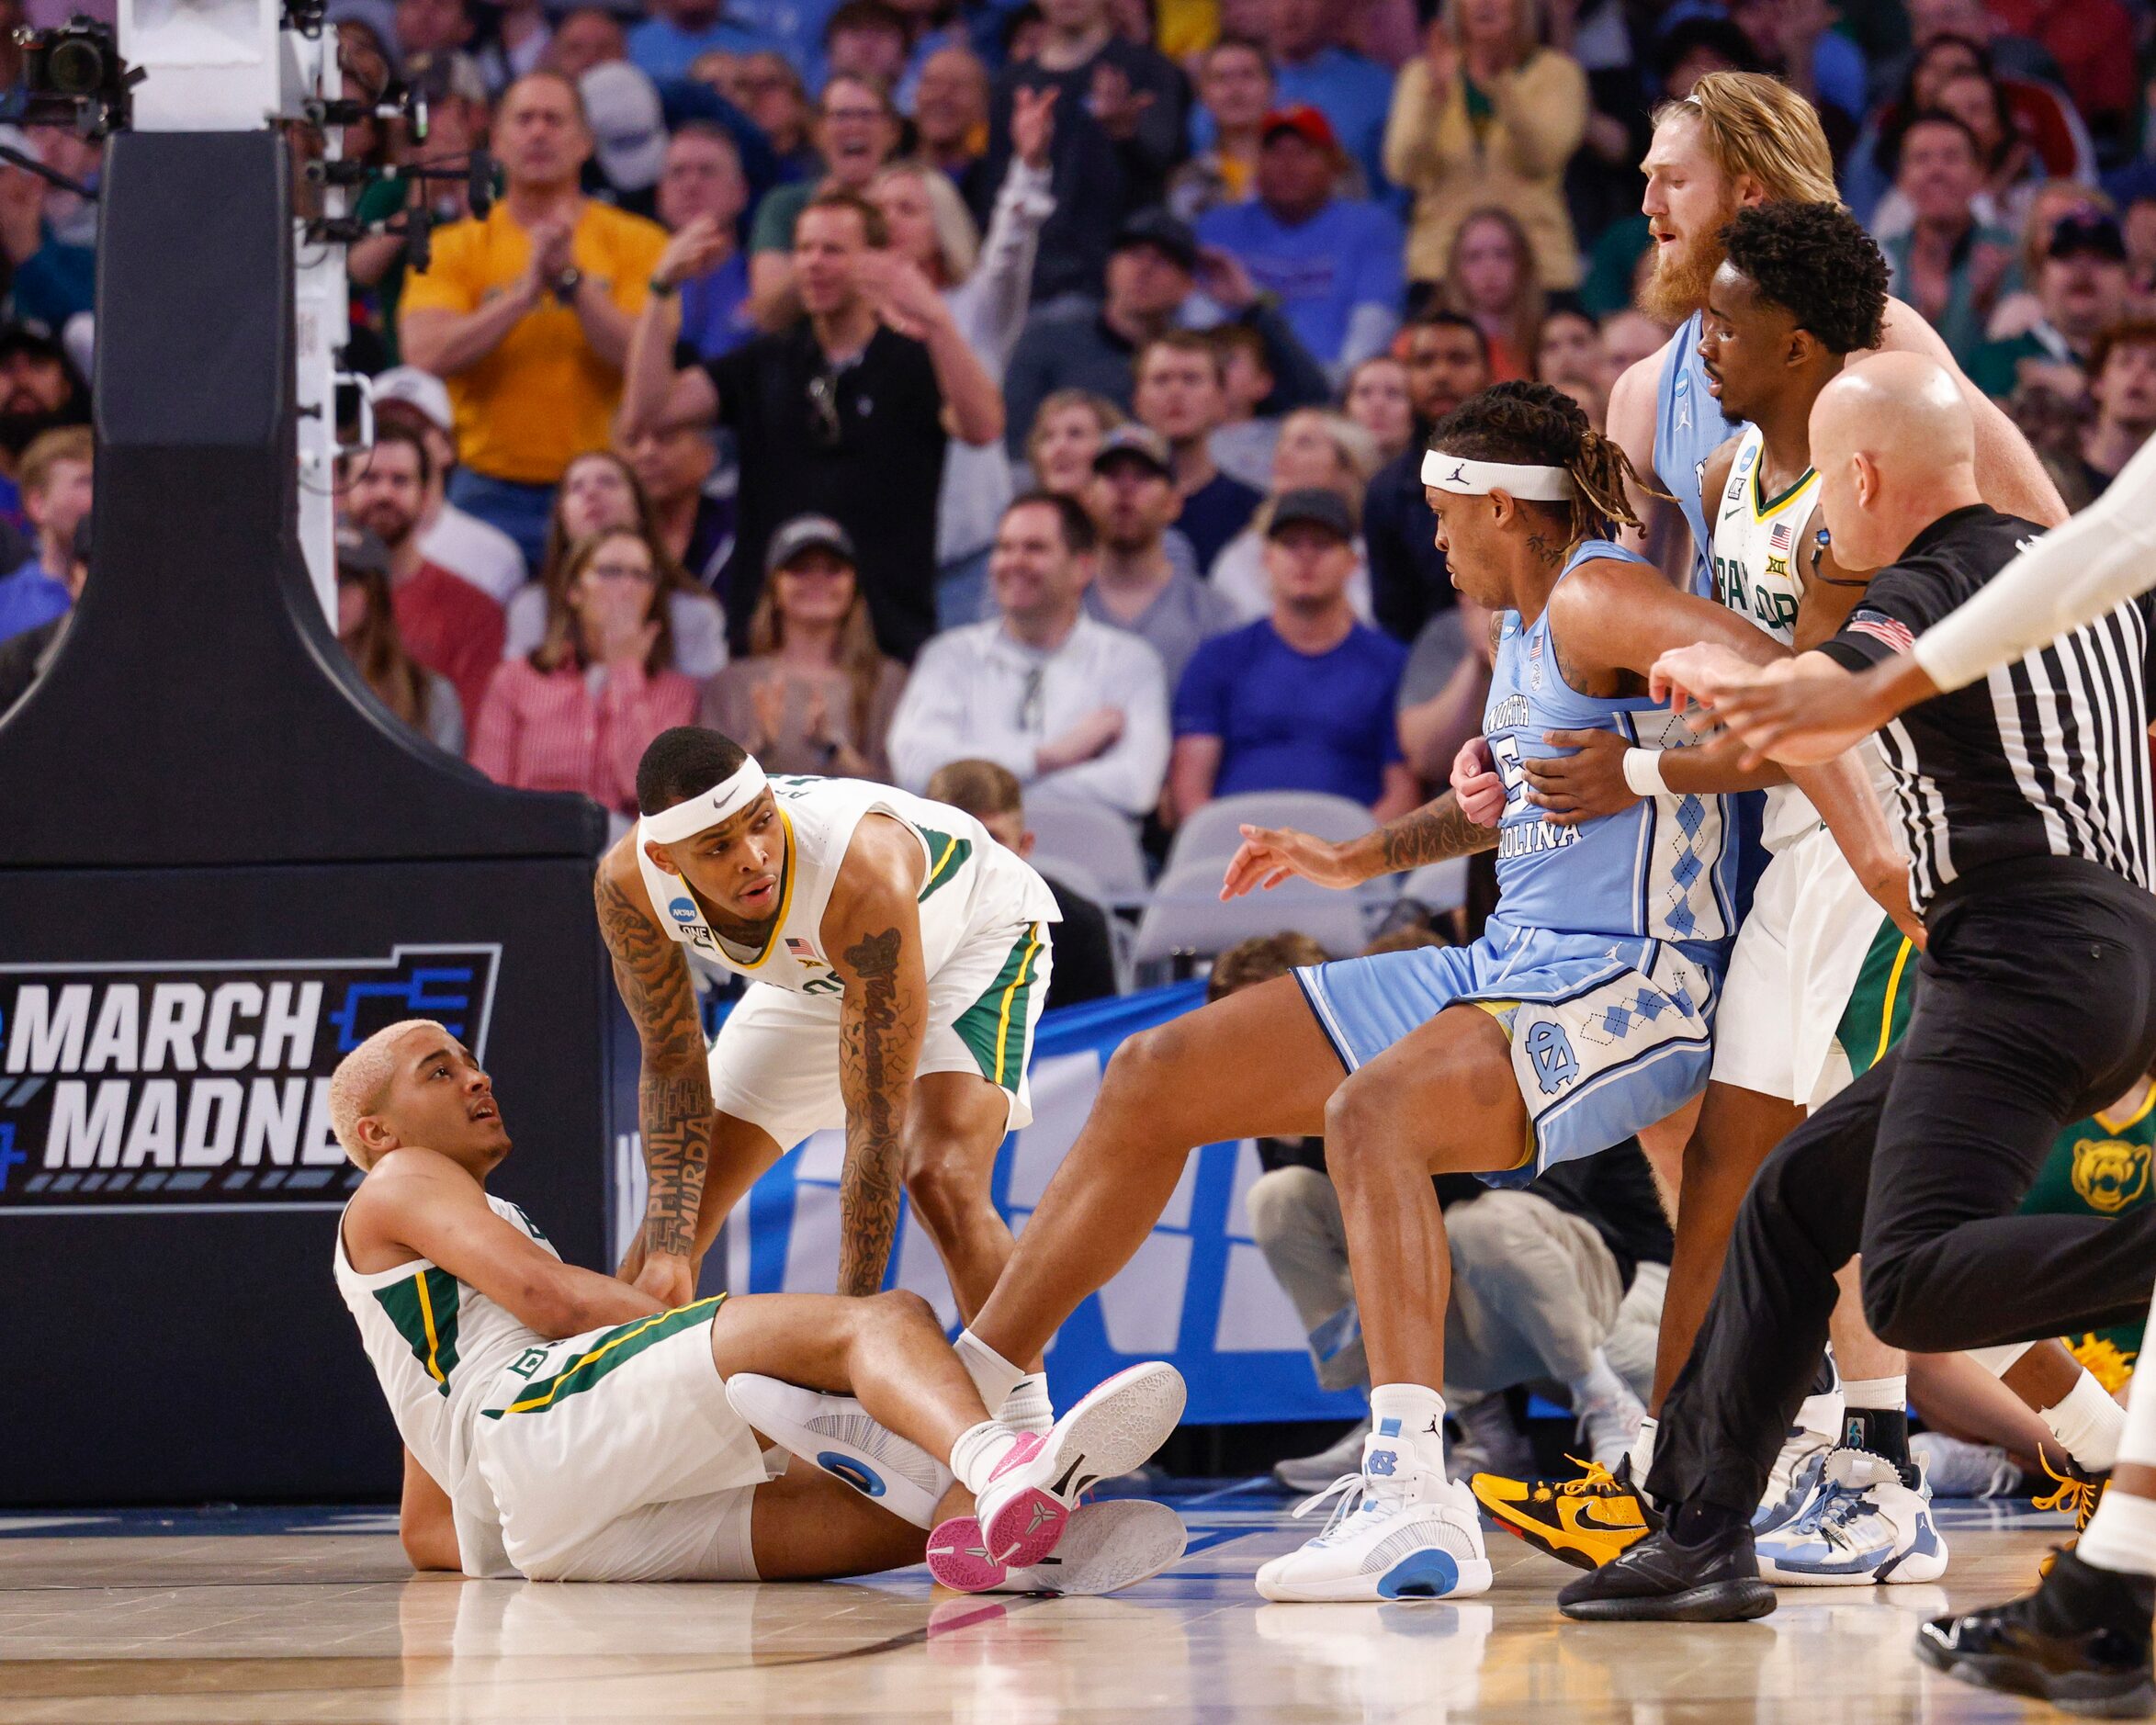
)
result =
(1757, 576)
(440, 1346)
(970, 881)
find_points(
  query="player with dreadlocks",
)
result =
(1583, 1013)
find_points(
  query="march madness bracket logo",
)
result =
(203, 1086)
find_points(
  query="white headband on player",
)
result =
(1479, 479)
(724, 800)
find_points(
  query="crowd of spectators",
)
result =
(1043, 382)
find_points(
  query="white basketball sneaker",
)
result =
(1393, 1535)
(1106, 1547)
(1794, 1480)
(1864, 1526)
(836, 1435)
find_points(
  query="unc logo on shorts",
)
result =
(1551, 1050)
(851, 1471)
(681, 909)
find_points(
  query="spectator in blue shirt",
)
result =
(1334, 264)
(666, 42)
(1303, 700)
(702, 177)
(1180, 396)
(1307, 66)
(56, 479)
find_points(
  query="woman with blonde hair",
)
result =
(1490, 278)
(599, 492)
(1485, 116)
(988, 283)
(1317, 450)
(577, 712)
(815, 693)
(1066, 435)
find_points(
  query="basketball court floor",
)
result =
(287, 1615)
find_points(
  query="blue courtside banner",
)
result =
(1197, 1292)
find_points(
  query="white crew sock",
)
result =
(1028, 1408)
(979, 1451)
(1876, 1393)
(2122, 1533)
(1643, 1450)
(994, 1376)
(1600, 1389)
(2088, 1424)
(1412, 1417)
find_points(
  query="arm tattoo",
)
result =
(674, 1095)
(1431, 834)
(875, 1075)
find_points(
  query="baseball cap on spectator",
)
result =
(379, 15)
(1310, 507)
(1134, 443)
(628, 127)
(425, 394)
(2087, 231)
(360, 550)
(805, 534)
(1172, 239)
(1307, 122)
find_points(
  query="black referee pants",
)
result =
(2037, 1005)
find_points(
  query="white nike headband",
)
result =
(1479, 479)
(724, 800)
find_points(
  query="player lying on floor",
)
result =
(560, 1425)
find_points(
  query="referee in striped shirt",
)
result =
(2024, 801)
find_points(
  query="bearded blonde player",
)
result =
(899, 958)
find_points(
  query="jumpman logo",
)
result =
(1436, 1429)
(1459, 474)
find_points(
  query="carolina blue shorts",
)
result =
(1609, 1033)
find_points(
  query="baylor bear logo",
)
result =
(2109, 1175)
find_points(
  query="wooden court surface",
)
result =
(313, 1616)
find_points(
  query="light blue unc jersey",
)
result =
(1662, 869)
(1688, 427)
(1604, 960)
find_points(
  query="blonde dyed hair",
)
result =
(361, 1077)
(958, 242)
(1754, 126)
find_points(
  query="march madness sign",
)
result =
(203, 1086)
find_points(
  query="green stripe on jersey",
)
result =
(423, 1309)
(613, 1348)
(1879, 1004)
(995, 1029)
(946, 856)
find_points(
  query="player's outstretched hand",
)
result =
(1476, 783)
(1581, 785)
(1268, 856)
(669, 1280)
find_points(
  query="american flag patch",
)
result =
(800, 949)
(1881, 628)
(1778, 540)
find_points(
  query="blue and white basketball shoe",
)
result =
(1398, 1532)
(1863, 1526)
(835, 1434)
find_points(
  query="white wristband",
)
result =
(1642, 773)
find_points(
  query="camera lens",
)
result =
(75, 67)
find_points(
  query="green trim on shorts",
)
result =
(997, 1028)
(423, 1309)
(614, 1348)
(1879, 1007)
(946, 856)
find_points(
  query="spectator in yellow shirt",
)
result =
(526, 315)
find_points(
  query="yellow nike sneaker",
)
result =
(1584, 1522)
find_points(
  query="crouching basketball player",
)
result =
(905, 958)
(563, 1425)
